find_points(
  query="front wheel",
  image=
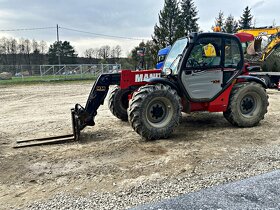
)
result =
(154, 111)
(247, 105)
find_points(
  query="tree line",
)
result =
(32, 52)
(22, 51)
(104, 52)
(231, 25)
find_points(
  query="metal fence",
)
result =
(56, 72)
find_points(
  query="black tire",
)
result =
(154, 111)
(118, 102)
(247, 104)
(266, 80)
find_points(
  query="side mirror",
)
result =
(168, 71)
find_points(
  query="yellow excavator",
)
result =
(265, 52)
(265, 49)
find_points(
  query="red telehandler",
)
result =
(202, 72)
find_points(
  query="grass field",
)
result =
(51, 78)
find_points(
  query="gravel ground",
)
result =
(113, 168)
(147, 192)
(257, 192)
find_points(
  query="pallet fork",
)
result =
(54, 139)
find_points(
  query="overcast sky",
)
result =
(125, 18)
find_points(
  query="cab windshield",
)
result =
(174, 56)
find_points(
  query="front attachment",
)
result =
(55, 139)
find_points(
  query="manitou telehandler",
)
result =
(202, 72)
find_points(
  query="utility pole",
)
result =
(58, 49)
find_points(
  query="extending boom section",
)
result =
(85, 116)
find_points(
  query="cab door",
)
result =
(205, 75)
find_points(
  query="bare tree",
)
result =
(95, 53)
(13, 49)
(104, 52)
(27, 51)
(35, 46)
(5, 50)
(89, 53)
(21, 49)
(113, 53)
(118, 51)
(43, 47)
(43, 50)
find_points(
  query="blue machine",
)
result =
(162, 53)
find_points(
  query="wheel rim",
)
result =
(159, 112)
(250, 104)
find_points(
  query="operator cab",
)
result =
(205, 64)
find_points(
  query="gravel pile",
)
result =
(254, 162)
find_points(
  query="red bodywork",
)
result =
(137, 78)
(245, 37)
(218, 105)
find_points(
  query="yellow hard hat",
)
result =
(209, 50)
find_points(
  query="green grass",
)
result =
(39, 79)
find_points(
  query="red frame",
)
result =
(137, 78)
(218, 105)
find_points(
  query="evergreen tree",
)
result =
(188, 17)
(231, 25)
(65, 50)
(167, 31)
(219, 21)
(245, 21)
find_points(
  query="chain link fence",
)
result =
(56, 72)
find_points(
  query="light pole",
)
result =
(58, 48)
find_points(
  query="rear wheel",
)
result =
(118, 102)
(154, 111)
(247, 105)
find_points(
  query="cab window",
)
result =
(205, 54)
(232, 53)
